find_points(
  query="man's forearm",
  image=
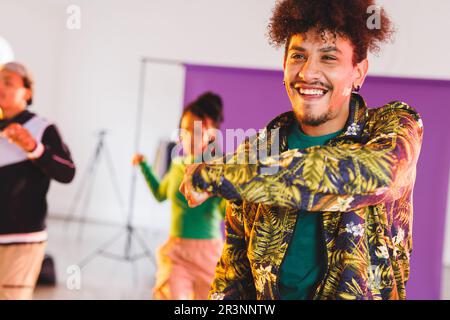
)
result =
(348, 175)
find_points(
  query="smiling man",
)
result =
(333, 219)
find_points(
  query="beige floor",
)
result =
(105, 278)
(101, 278)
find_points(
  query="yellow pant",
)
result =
(20, 265)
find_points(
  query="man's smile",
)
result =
(311, 92)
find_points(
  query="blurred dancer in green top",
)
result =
(187, 261)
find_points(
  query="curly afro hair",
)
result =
(346, 18)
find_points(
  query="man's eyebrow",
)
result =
(330, 49)
(324, 49)
(297, 48)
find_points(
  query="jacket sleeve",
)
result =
(340, 177)
(233, 279)
(55, 161)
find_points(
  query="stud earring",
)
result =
(357, 88)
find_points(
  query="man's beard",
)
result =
(311, 120)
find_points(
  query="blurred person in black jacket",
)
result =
(32, 153)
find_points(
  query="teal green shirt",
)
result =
(201, 222)
(305, 260)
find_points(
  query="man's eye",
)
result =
(328, 58)
(297, 56)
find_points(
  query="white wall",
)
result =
(233, 32)
(419, 49)
(87, 79)
(32, 31)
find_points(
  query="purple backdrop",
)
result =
(253, 97)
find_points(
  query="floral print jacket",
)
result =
(361, 180)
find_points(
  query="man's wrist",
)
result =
(203, 180)
(198, 183)
(37, 152)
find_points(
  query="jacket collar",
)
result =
(353, 127)
(20, 118)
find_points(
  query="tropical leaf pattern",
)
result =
(362, 181)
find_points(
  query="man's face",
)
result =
(319, 73)
(13, 94)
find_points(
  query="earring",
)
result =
(357, 88)
(284, 82)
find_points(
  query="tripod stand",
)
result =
(130, 232)
(89, 178)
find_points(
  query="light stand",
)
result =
(89, 178)
(130, 232)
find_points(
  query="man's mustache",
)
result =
(312, 84)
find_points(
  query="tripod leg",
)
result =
(85, 205)
(89, 173)
(145, 249)
(128, 243)
(100, 250)
(79, 193)
(114, 179)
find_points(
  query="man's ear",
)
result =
(28, 95)
(361, 72)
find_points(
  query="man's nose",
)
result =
(310, 71)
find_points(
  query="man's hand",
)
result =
(17, 134)
(187, 189)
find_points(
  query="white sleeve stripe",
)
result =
(37, 153)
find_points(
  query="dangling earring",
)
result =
(357, 88)
(284, 82)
